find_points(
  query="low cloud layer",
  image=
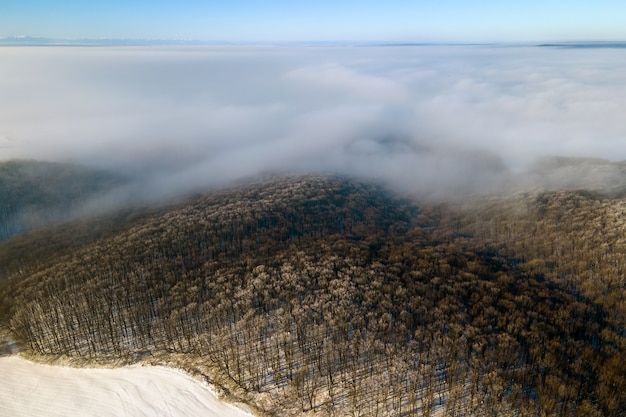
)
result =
(433, 120)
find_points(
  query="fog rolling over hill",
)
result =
(435, 120)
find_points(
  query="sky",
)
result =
(320, 20)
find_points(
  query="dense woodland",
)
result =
(324, 295)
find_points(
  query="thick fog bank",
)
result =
(432, 119)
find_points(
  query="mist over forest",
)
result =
(285, 264)
(435, 120)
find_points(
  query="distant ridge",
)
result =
(42, 41)
(24, 40)
(586, 45)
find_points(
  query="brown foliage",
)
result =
(322, 294)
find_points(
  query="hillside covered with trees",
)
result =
(325, 295)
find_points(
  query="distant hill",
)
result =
(35, 193)
(593, 174)
(42, 41)
(586, 45)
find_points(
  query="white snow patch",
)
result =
(29, 389)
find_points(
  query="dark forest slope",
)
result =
(35, 193)
(322, 294)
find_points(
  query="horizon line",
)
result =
(25, 40)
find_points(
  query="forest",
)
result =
(325, 295)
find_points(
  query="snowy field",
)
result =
(29, 389)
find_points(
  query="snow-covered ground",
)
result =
(29, 389)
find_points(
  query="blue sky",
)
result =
(281, 20)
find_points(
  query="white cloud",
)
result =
(423, 117)
(343, 80)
